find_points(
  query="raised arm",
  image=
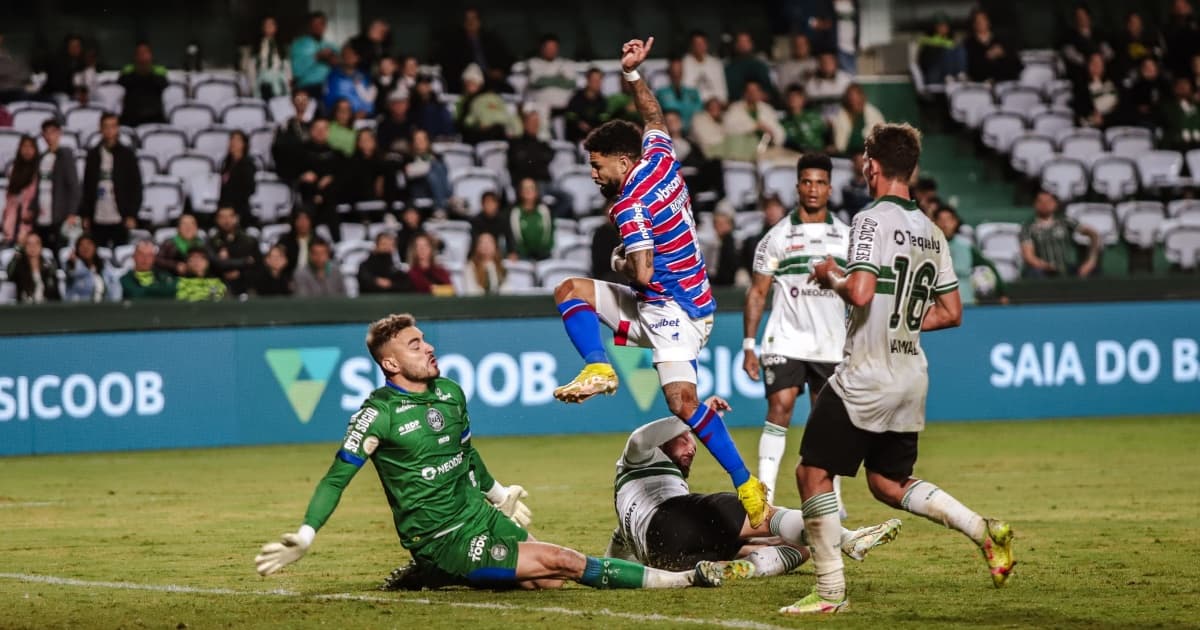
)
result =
(648, 437)
(633, 53)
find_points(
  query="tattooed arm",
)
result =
(633, 53)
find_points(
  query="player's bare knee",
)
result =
(681, 399)
(570, 289)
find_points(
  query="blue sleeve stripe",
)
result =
(350, 458)
(492, 575)
(466, 435)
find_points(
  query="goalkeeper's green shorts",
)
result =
(483, 552)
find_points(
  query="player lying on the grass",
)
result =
(417, 432)
(899, 283)
(668, 304)
(661, 523)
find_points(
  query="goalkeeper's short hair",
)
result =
(384, 330)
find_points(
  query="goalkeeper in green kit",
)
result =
(461, 526)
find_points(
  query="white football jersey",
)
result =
(883, 377)
(640, 489)
(807, 322)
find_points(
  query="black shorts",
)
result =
(833, 443)
(694, 527)
(780, 372)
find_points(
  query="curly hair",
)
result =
(819, 161)
(615, 137)
(384, 330)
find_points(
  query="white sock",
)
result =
(657, 578)
(837, 491)
(789, 525)
(770, 454)
(824, 530)
(926, 499)
(772, 561)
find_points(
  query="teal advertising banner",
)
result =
(242, 386)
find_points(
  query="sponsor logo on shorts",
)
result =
(769, 376)
(475, 549)
(434, 419)
(499, 552)
(665, 323)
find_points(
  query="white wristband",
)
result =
(632, 75)
(307, 534)
(748, 344)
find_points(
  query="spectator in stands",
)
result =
(287, 150)
(749, 121)
(529, 157)
(744, 66)
(318, 178)
(938, 55)
(1082, 41)
(722, 255)
(1095, 100)
(1181, 118)
(856, 195)
(58, 187)
(397, 127)
(14, 75)
(924, 191)
(773, 212)
(366, 172)
(237, 178)
(196, 283)
(1182, 34)
(379, 273)
(708, 129)
(484, 273)
(88, 278)
(412, 225)
(965, 257)
(988, 57)
(1144, 95)
(677, 96)
(346, 82)
(1135, 43)
(806, 130)
(796, 69)
(269, 71)
(236, 254)
(61, 68)
(828, 83)
(144, 83)
(490, 220)
(587, 108)
(425, 273)
(1048, 245)
(621, 105)
(146, 280)
(341, 128)
(471, 45)
(854, 121)
(387, 80)
(372, 45)
(531, 224)
(112, 187)
(320, 277)
(425, 174)
(551, 77)
(312, 57)
(428, 112)
(295, 243)
(704, 72)
(33, 272)
(707, 172)
(605, 240)
(275, 276)
(173, 252)
(482, 114)
(410, 71)
(20, 195)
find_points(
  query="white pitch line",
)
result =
(28, 504)
(739, 624)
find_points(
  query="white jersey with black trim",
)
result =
(807, 323)
(645, 479)
(883, 377)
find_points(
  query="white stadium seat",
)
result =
(215, 92)
(470, 183)
(271, 201)
(585, 196)
(1159, 168)
(1115, 178)
(245, 114)
(781, 180)
(970, 103)
(1141, 222)
(741, 184)
(551, 272)
(212, 143)
(999, 240)
(162, 202)
(1130, 145)
(1050, 123)
(164, 143)
(1064, 177)
(456, 155)
(1020, 100)
(1029, 152)
(83, 120)
(1000, 129)
(1181, 244)
(192, 117)
(1098, 216)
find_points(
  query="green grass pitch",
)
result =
(1106, 514)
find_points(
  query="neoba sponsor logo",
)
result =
(51, 396)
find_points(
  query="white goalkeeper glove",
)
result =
(508, 501)
(291, 547)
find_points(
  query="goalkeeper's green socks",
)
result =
(614, 573)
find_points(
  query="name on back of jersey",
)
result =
(866, 240)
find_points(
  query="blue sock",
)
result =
(709, 427)
(583, 327)
(592, 572)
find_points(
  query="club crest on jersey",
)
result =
(499, 552)
(435, 419)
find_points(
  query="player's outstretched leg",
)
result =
(537, 561)
(993, 537)
(576, 299)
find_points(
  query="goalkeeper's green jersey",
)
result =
(420, 444)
